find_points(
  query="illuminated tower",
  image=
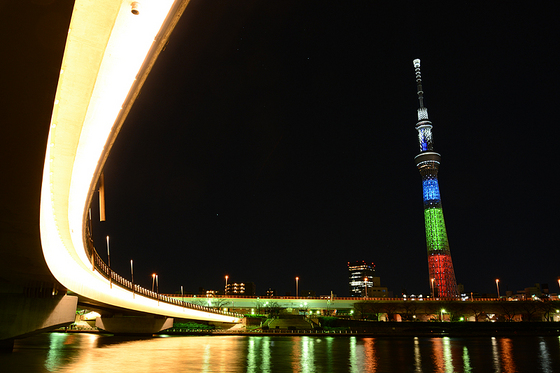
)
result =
(442, 276)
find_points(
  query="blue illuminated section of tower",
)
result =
(442, 275)
(431, 191)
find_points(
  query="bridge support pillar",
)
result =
(21, 316)
(134, 324)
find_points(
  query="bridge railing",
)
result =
(326, 298)
(116, 279)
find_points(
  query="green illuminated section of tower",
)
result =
(436, 235)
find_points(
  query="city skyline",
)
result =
(275, 141)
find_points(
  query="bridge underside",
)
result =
(38, 32)
(31, 299)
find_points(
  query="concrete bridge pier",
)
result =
(133, 324)
(21, 316)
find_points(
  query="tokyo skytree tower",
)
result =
(442, 275)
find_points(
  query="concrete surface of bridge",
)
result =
(73, 73)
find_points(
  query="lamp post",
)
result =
(498, 287)
(433, 293)
(297, 287)
(132, 275)
(365, 287)
(157, 289)
(182, 296)
(153, 281)
(109, 263)
(225, 289)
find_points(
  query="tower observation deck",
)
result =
(442, 275)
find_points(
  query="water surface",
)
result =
(98, 353)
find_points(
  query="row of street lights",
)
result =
(497, 286)
(155, 277)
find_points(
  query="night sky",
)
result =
(276, 139)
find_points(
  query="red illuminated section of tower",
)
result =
(442, 275)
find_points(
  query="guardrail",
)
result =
(326, 298)
(284, 331)
(116, 279)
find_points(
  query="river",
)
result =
(100, 353)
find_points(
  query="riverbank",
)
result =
(388, 329)
(415, 329)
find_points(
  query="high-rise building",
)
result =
(442, 276)
(357, 274)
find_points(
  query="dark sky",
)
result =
(276, 139)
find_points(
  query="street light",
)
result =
(365, 287)
(442, 312)
(498, 287)
(132, 275)
(433, 293)
(153, 281)
(109, 263)
(225, 290)
(157, 289)
(297, 286)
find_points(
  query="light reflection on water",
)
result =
(507, 355)
(369, 355)
(447, 356)
(466, 360)
(97, 353)
(545, 357)
(417, 356)
(495, 355)
(437, 355)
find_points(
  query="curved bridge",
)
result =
(111, 46)
(110, 50)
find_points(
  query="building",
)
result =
(442, 276)
(360, 276)
(240, 288)
(378, 291)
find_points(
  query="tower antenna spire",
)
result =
(419, 90)
(422, 111)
